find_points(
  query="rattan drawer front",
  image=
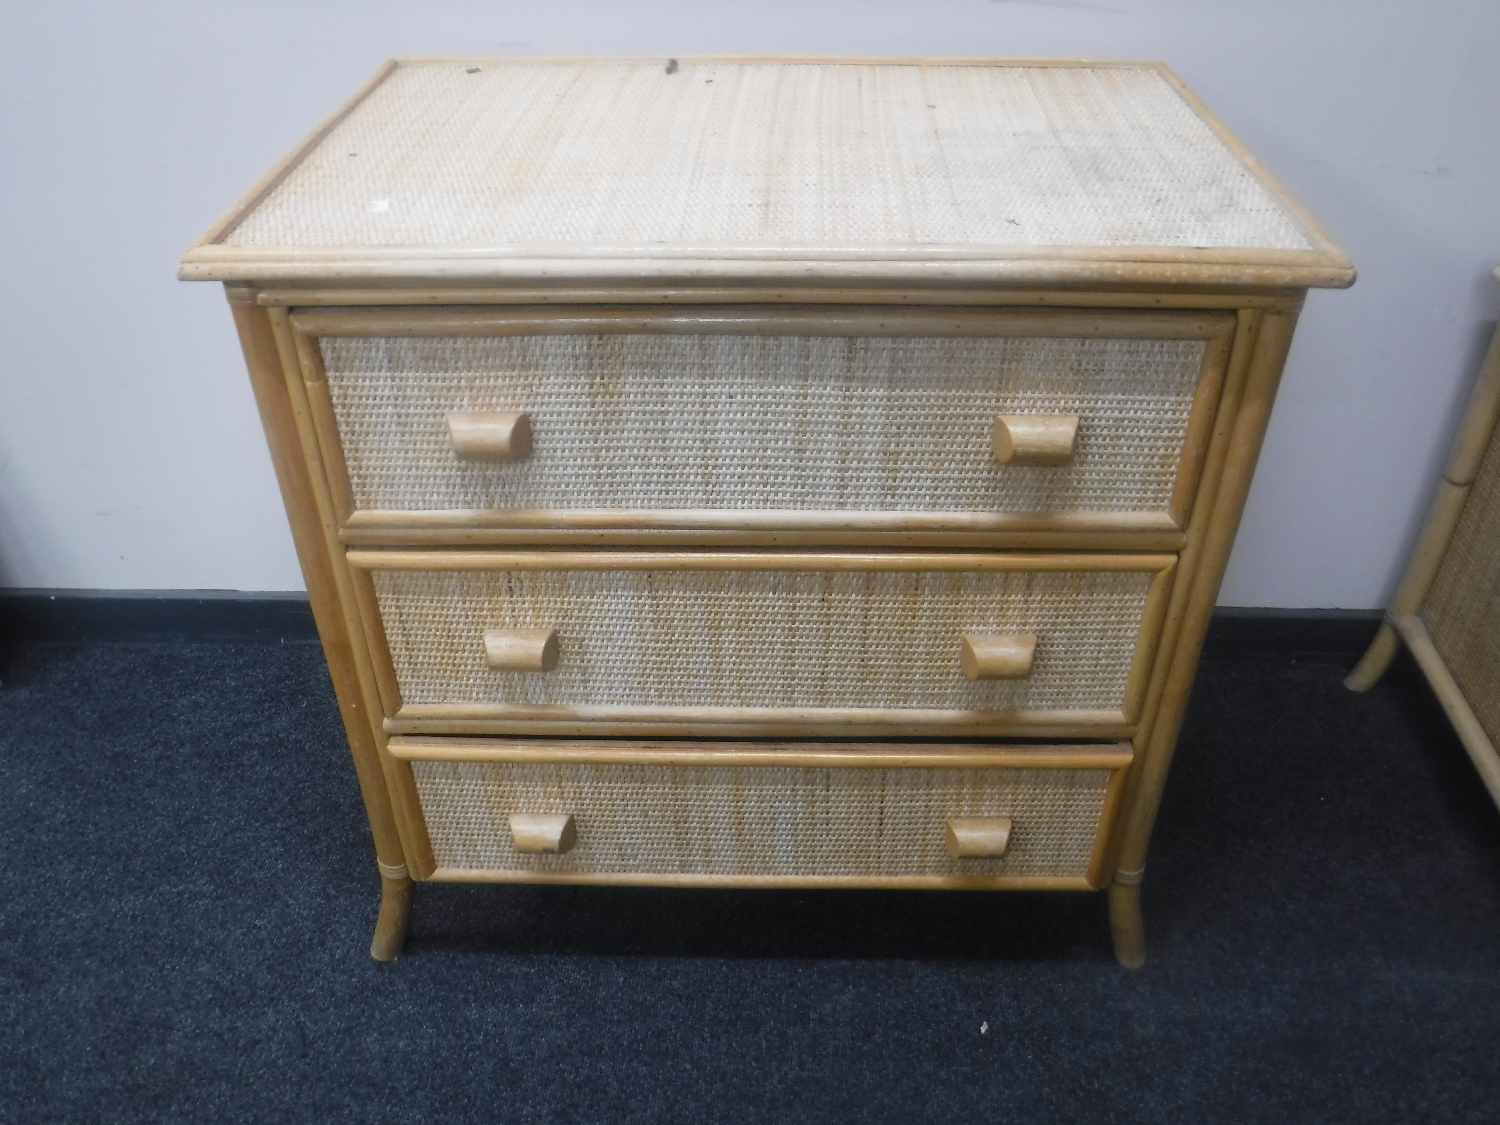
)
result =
(825, 640)
(727, 823)
(683, 423)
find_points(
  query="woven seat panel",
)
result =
(718, 638)
(1462, 608)
(722, 155)
(743, 820)
(763, 422)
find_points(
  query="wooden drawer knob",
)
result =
(978, 837)
(490, 435)
(998, 656)
(534, 833)
(521, 650)
(1035, 439)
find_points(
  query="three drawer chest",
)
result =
(765, 472)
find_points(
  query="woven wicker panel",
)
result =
(719, 638)
(740, 421)
(1462, 609)
(741, 820)
(766, 155)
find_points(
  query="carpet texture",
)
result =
(190, 894)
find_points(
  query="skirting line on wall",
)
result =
(227, 616)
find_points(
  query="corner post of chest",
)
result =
(1262, 341)
(268, 382)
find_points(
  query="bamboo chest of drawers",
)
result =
(765, 472)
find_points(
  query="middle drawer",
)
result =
(779, 644)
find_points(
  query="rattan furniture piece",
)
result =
(774, 472)
(1447, 608)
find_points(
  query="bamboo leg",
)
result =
(1203, 561)
(1126, 926)
(395, 913)
(268, 380)
(1376, 660)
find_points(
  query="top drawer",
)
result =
(760, 418)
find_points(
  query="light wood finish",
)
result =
(555, 721)
(978, 837)
(437, 294)
(490, 435)
(767, 320)
(405, 807)
(1241, 298)
(845, 755)
(215, 263)
(521, 650)
(770, 882)
(319, 569)
(655, 720)
(998, 657)
(444, 524)
(1273, 339)
(532, 832)
(1320, 263)
(394, 919)
(1126, 926)
(793, 819)
(747, 560)
(1453, 488)
(1035, 439)
(475, 534)
(881, 758)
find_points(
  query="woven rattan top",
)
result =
(629, 168)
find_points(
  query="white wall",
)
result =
(130, 455)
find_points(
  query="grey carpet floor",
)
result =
(189, 894)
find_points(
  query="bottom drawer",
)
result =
(749, 815)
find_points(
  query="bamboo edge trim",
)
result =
(457, 560)
(203, 264)
(994, 255)
(648, 879)
(758, 716)
(761, 521)
(410, 538)
(790, 755)
(436, 294)
(599, 728)
(749, 319)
